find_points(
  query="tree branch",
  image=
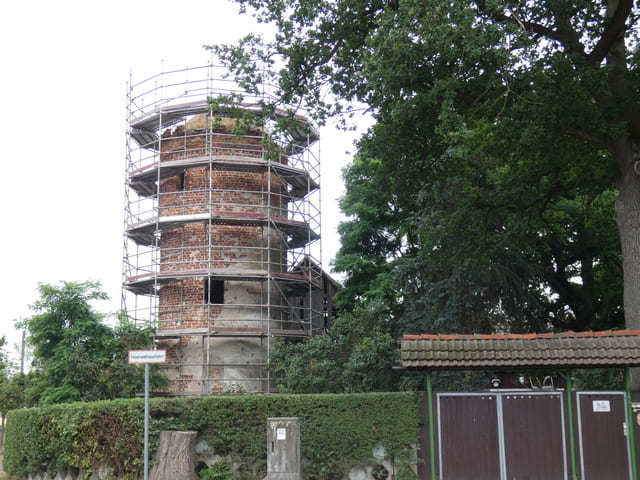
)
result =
(612, 32)
(597, 140)
(565, 38)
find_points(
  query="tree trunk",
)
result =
(628, 219)
(176, 457)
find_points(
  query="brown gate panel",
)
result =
(468, 437)
(534, 437)
(603, 444)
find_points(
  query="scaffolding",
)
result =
(221, 244)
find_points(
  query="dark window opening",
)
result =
(213, 291)
(181, 178)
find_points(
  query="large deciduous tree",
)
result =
(504, 133)
(76, 356)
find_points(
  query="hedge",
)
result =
(337, 432)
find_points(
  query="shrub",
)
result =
(337, 432)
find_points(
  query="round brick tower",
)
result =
(220, 235)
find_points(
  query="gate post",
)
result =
(631, 426)
(432, 436)
(572, 440)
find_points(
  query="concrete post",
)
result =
(283, 448)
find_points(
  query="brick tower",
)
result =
(221, 234)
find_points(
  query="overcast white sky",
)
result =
(65, 67)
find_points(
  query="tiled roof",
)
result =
(569, 349)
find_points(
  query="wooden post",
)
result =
(176, 457)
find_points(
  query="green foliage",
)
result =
(76, 356)
(599, 379)
(10, 389)
(75, 436)
(219, 471)
(379, 473)
(85, 436)
(16, 391)
(483, 196)
(5, 364)
(355, 355)
(277, 121)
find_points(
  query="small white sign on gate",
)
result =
(601, 406)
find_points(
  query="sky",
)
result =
(65, 70)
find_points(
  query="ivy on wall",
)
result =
(337, 432)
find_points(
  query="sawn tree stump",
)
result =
(176, 457)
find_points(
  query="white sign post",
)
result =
(146, 357)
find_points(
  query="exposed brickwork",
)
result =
(202, 140)
(220, 247)
(203, 190)
(231, 235)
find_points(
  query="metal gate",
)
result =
(502, 435)
(603, 447)
(468, 439)
(525, 435)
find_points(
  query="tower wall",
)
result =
(216, 223)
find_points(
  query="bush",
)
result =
(337, 432)
(219, 471)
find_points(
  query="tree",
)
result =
(5, 364)
(477, 100)
(76, 356)
(355, 355)
(5, 372)
(18, 391)
(483, 253)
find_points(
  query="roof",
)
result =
(306, 262)
(508, 352)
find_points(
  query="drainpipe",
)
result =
(572, 440)
(432, 435)
(631, 426)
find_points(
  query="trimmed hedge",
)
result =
(337, 432)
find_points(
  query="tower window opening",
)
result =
(181, 181)
(213, 291)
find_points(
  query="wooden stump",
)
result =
(176, 457)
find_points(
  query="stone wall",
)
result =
(378, 466)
